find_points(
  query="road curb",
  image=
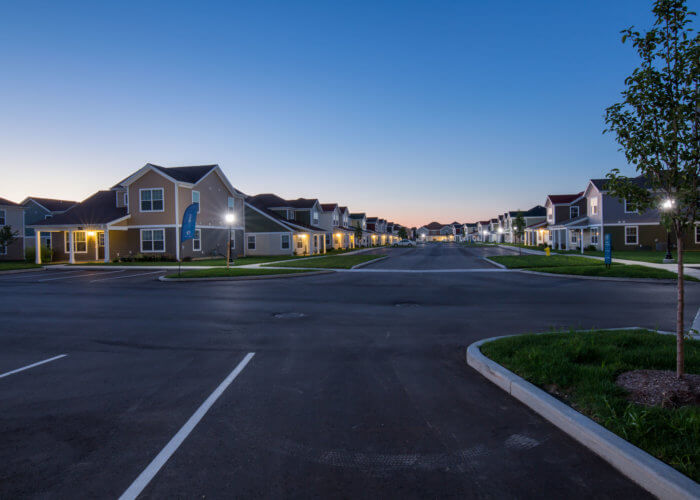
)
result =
(661, 281)
(363, 264)
(493, 262)
(27, 270)
(246, 278)
(648, 472)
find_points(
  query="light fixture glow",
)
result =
(668, 204)
(229, 218)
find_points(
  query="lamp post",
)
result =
(229, 222)
(500, 235)
(667, 206)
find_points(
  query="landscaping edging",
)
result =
(650, 473)
(246, 278)
(363, 264)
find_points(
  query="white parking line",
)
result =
(79, 275)
(33, 365)
(149, 472)
(130, 275)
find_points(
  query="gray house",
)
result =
(39, 209)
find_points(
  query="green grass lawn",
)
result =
(16, 264)
(331, 262)
(241, 261)
(222, 272)
(581, 367)
(656, 257)
(520, 245)
(528, 261)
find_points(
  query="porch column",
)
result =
(71, 249)
(97, 245)
(581, 241)
(324, 243)
(37, 246)
(106, 246)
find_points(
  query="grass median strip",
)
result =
(331, 262)
(581, 369)
(14, 266)
(231, 273)
(581, 266)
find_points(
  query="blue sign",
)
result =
(189, 221)
(608, 249)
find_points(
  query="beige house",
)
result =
(142, 214)
(12, 215)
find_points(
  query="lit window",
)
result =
(595, 234)
(151, 200)
(197, 240)
(79, 241)
(631, 235)
(594, 206)
(101, 239)
(153, 240)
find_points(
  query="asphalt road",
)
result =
(358, 386)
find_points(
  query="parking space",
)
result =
(61, 275)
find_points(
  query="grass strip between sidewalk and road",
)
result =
(580, 368)
(581, 266)
(16, 265)
(331, 262)
(233, 272)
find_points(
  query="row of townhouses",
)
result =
(141, 215)
(580, 220)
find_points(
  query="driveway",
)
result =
(358, 386)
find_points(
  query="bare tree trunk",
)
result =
(680, 357)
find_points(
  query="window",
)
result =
(231, 203)
(195, 199)
(335, 218)
(594, 206)
(3, 250)
(285, 242)
(197, 241)
(314, 216)
(251, 242)
(595, 236)
(79, 241)
(233, 240)
(697, 234)
(101, 239)
(300, 242)
(126, 200)
(574, 237)
(329, 239)
(573, 211)
(153, 240)
(46, 240)
(550, 216)
(2, 217)
(631, 235)
(290, 214)
(630, 207)
(151, 200)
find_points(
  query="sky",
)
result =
(410, 111)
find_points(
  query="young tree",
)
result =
(657, 126)
(7, 236)
(358, 235)
(402, 233)
(519, 226)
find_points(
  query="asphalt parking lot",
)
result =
(358, 384)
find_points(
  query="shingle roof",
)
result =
(302, 202)
(5, 201)
(536, 211)
(602, 184)
(372, 220)
(100, 208)
(53, 205)
(564, 198)
(434, 225)
(343, 209)
(267, 200)
(191, 174)
(329, 207)
(357, 216)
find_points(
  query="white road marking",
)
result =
(129, 275)
(150, 472)
(33, 365)
(79, 275)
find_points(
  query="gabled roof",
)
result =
(268, 200)
(5, 201)
(51, 204)
(537, 225)
(329, 207)
(302, 203)
(357, 216)
(536, 211)
(344, 209)
(558, 199)
(372, 220)
(602, 184)
(100, 208)
(434, 225)
(190, 174)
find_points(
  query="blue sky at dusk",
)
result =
(413, 111)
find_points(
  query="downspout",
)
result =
(177, 226)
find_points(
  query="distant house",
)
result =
(39, 209)
(142, 214)
(337, 236)
(436, 231)
(533, 216)
(12, 215)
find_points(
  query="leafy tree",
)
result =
(358, 235)
(657, 126)
(519, 226)
(7, 236)
(403, 234)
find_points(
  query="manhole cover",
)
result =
(406, 304)
(288, 315)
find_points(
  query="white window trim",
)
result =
(199, 202)
(66, 242)
(3, 250)
(100, 236)
(636, 239)
(141, 240)
(162, 190)
(696, 233)
(594, 206)
(630, 211)
(199, 240)
(578, 211)
(4, 218)
(247, 242)
(289, 242)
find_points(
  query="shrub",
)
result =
(46, 254)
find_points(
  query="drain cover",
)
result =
(288, 315)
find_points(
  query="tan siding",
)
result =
(152, 180)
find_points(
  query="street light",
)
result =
(667, 206)
(229, 221)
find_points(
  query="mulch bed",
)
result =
(660, 388)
